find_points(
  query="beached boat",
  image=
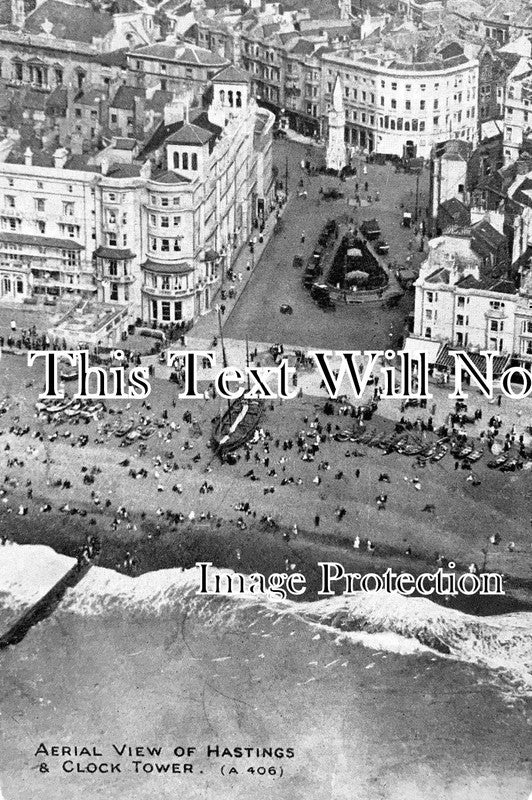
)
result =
(235, 427)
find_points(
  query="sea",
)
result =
(136, 687)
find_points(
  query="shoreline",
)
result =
(256, 549)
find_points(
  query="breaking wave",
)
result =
(382, 621)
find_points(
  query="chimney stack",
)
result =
(60, 157)
(28, 157)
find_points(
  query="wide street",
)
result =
(275, 281)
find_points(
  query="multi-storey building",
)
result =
(173, 66)
(466, 302)
(517, 110)
(150, 235)
(404, 108)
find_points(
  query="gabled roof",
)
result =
(303, 47)
(58, 99)
(125, 97)
(231, 74)
(181, 53)
(80, 23)
(163, 132)
(115, 58)
(490, 234)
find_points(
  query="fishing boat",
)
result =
(233, 428)
(236, 426)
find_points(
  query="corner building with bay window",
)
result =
(153, 237)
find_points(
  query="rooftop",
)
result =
(69, 21)
(180, 53)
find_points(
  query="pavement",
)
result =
(275, 281)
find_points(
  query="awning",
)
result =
(414, 346)
(40, 241)
(446, 361)
(113, 252)
(175, 268)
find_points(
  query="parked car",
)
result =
(332, 194)
(371, 229)
(286, 309)
(298, 262)
(382, 247)
(321, 295)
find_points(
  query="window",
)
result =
(408, 105)
(496, 325)
(153, 244)
(422, 105)
(176, 160)
(114, 119)
(422, 125)
(114, 292)
(165, 311)
(394, 87)
(165, 245)
(165, 282)
(113, 268)
(39, 204)
(436, 121)
(164, 201)
(153, 200)
(435, 104)
(178, 310)
(394, 103)
(185, 160)
(176, 201)
(428, 332)
(177, 221)
(41, 226)
(10, 201)
(428, 313)
(460, 302)
(177, 245)
(165, 222)
(39, 185)
(78, 113)
(459, 319)
(194, 161)
(527, 326)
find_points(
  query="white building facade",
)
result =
(155, 240)
(402, 109)
(459, 304)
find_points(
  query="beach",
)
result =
(132, 654)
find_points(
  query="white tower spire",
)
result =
(336, 150)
